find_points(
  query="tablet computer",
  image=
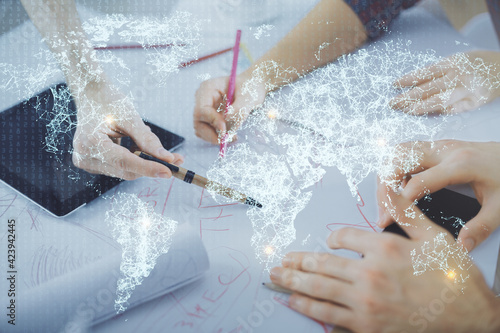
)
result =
(36, 141)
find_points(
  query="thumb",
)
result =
(481, 226)
(148, 142)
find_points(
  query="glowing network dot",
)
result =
(145, 222)
(109, 119)
(269, 250)
(381, 142)
(451, 275)
(272, 114)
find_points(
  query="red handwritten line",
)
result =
(359, 209)
(149, 192)
(177, 301)
(245, 270)
(168, 194)
(201, 230)
(201, 197)
(237, 276)
(218, 217)
(198, 309)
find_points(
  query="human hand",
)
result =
(449, 162)
(456, 84)
(392, 289)
(210, 124)
(104, 116)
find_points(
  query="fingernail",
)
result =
(287, 261)
(165, 153)
(164, 175)
(295, 302)
(469, 244)
(276, 273)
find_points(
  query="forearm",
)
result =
(330, 30)
(59, 24)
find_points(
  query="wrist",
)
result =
(82, 72)
(78, 61)
(270, 75)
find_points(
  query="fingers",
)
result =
(418, 93)
(422, 75)
(211, 116)
(206, 132)
(322, 311)
(434, 179)
(353, 239)
(463, 105)
(321, 263)
(439, 103)
(315, 285)
(146, 140)
(99, 154)
(424, 177)
(122, 159)
(211, 121)
(482, 225)
(109, 171)
(411, 219)
(178, 159)
(209, 99)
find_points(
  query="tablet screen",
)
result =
(35, 149)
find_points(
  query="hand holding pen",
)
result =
(211, 123)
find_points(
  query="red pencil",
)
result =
(208, 56)
(230, 89)
(162, 46)
(136, 46)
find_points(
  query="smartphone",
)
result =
(448, 209)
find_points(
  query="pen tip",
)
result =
(253, 202)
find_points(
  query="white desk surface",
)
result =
(228, 296)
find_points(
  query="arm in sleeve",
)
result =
(376, 15)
